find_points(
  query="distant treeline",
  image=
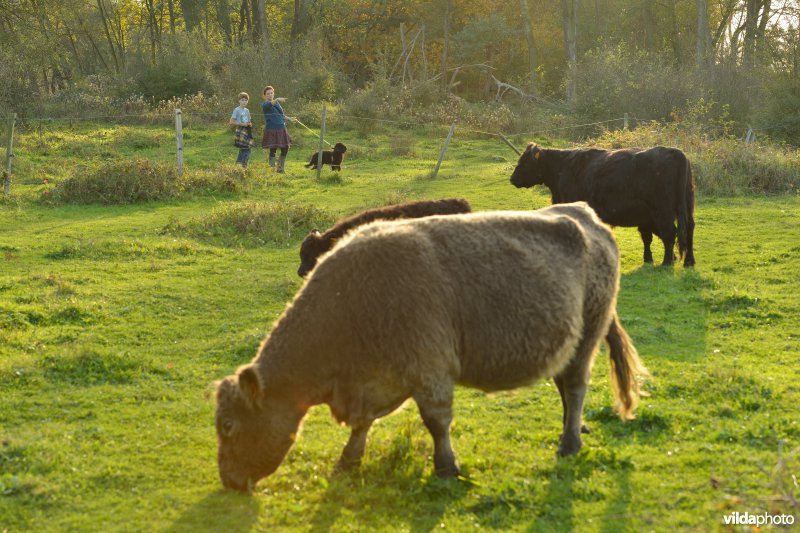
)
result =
(591, 58)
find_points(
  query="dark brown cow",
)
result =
(410, 308)
(647, 189)
(315, 244)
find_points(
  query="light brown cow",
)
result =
(408, 309)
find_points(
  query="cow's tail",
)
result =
(626, 369)
(685, 196)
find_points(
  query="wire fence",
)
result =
(339, 120)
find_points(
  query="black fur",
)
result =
(329, 157)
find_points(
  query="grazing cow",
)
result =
(315, 244)
(329, 157)
(409, 308)
(648, 189)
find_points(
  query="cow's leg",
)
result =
(688, 261)
(665, 229)
(437, 414)
(560, 386)
(647, 239)
(354, 449)
(573, 382)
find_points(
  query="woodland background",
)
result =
(724, 65)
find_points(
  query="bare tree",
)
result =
(526, 22)
(570, 24)
(702, 55)
(448, 9)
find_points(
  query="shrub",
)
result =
(253, 224)
(180, 67)
(723, 165)
(142, 180)
(120, 182)
(615, 80)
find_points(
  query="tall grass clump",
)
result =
(722, 165)
(142, 180)
(119, 182)
(253, 223)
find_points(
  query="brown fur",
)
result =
(315, 244)
(410, 308)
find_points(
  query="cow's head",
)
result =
(529, 170)
(255, 429)
(311, 248)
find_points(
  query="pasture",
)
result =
(116, 319)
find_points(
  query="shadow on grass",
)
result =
(395, 490)
(664, 311)
(571, 481)
(222, 510)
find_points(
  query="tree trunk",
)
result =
(448, 9)
(762, 29)
(750, 29)
(675, 37)
(191, 14)
(104, 17)
(260, 15)
(171, 9)
(526, 22)
(224, 20)
(570, 25)
(702, 56)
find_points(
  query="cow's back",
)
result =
(494, 300)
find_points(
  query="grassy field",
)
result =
(115, 320)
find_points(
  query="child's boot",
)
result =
(272, 160)
(281, 161)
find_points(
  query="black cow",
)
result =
(648, 189)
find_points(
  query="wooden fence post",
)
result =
(179, 139)
(625, 122)
(750, 137)
(509, 143)
(444, 149)
(9, 155)
(321, 140)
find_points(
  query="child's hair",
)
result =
(267, 88)
(245, 96)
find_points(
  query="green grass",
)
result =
(115, 320)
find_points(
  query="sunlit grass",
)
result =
(115, 320)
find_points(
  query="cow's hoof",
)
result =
(346, 465)
(569, 446)
(448, 472)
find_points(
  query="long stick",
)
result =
(509, 143)
(9, 155)
(321, 140)
(444, 149)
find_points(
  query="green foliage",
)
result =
(141, 180)
(116, 319)
(614, 80)
(253, 224)
(721, 165)
(119, 182)
(180, 67)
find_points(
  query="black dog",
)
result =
(329, 157)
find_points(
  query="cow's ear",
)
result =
(315, 232)
(250, 385)
(536, 151)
